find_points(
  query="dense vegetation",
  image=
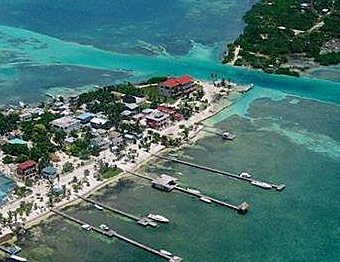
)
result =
(278, 30)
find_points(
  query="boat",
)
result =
(17, 258)
(98, 207)
(194, 191)
(86, 227)
(164, 252)
(245, 175)
(228, 136)
(158, 218)
(104, 227)
(261, 184)
(205, 199)
(175, 259)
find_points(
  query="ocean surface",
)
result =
(288, 131)
(5, 187)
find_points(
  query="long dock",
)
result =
(143, 221)
(242, 208)
(111, 233)
(279, 187)
(229, 137)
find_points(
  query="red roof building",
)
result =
(27, 170)
(177, 85)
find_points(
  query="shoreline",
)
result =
(194, 135)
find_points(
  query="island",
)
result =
(288, 36)
(62, 149)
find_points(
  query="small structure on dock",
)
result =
(243, 208)
(165, 183)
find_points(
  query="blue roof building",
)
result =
(85, 118)
(17, 141)
(49, 172)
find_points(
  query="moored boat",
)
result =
(194, 191)
(245, 175)
(17, 258)
(261, 184)
(98, 207)
(228, 136)
(104, 227)
(205, 199)
(86, 227)
(164, 252)
(158, 218)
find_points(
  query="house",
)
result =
(66, 124)
(49, 172)
(98, 122)
(102, 143)
(27, 170)
(166, 110)
(70, 140)
(126, 114)
(115, 137)
(157, 119)
(164, 183)
(131, 106)
(85, 118)
(177, 86)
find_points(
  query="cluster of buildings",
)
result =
(29, 170)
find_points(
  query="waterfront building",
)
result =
(157, 120)
(177, 86)
(66, 124)
(27, 170)
(164, 182)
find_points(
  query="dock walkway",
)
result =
(143, 221)
(279, 187)
(5, 250)
(111, 233)
(242, 208)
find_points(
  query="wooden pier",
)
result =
(143, 221)
(242, 208)
(279, 187)
(229, 137)
(111, 233)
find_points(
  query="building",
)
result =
(85, 118)
(49, 172)
(98, 122)
(157, 119)
(177, 86)
(17, 141)
(66, 124)
(166, 110)
(115, 137)
(27, 170)
(164, 183)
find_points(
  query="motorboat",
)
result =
(17, 258)
(104, 227)
(98, 207)
(86, 227)
(158, 218)
(205, 199)
(228, 136)
(261, 184)
(164, 252)
(194, 191)
(245, 175)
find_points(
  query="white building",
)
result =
(66, 124)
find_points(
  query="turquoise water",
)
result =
(287, 132)
(5, 187)
(280, 138)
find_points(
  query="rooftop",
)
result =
(26, 165)
(64, 121)
(174, 82)
(17, 141)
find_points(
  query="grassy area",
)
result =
(111, 172)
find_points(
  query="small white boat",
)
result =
(86, 227)
(17, 258)
(158, 218)
(194, 191)
(228, 136)
(261, 184)
(164, 252)
(98, 207)
(205, 199)
(104, 227)
(175, 259)
(245, 175)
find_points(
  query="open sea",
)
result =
(288, 131)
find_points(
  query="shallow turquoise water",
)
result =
(5, 187)
(298, 224)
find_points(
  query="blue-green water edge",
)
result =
(287, 132)
(281, 139)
